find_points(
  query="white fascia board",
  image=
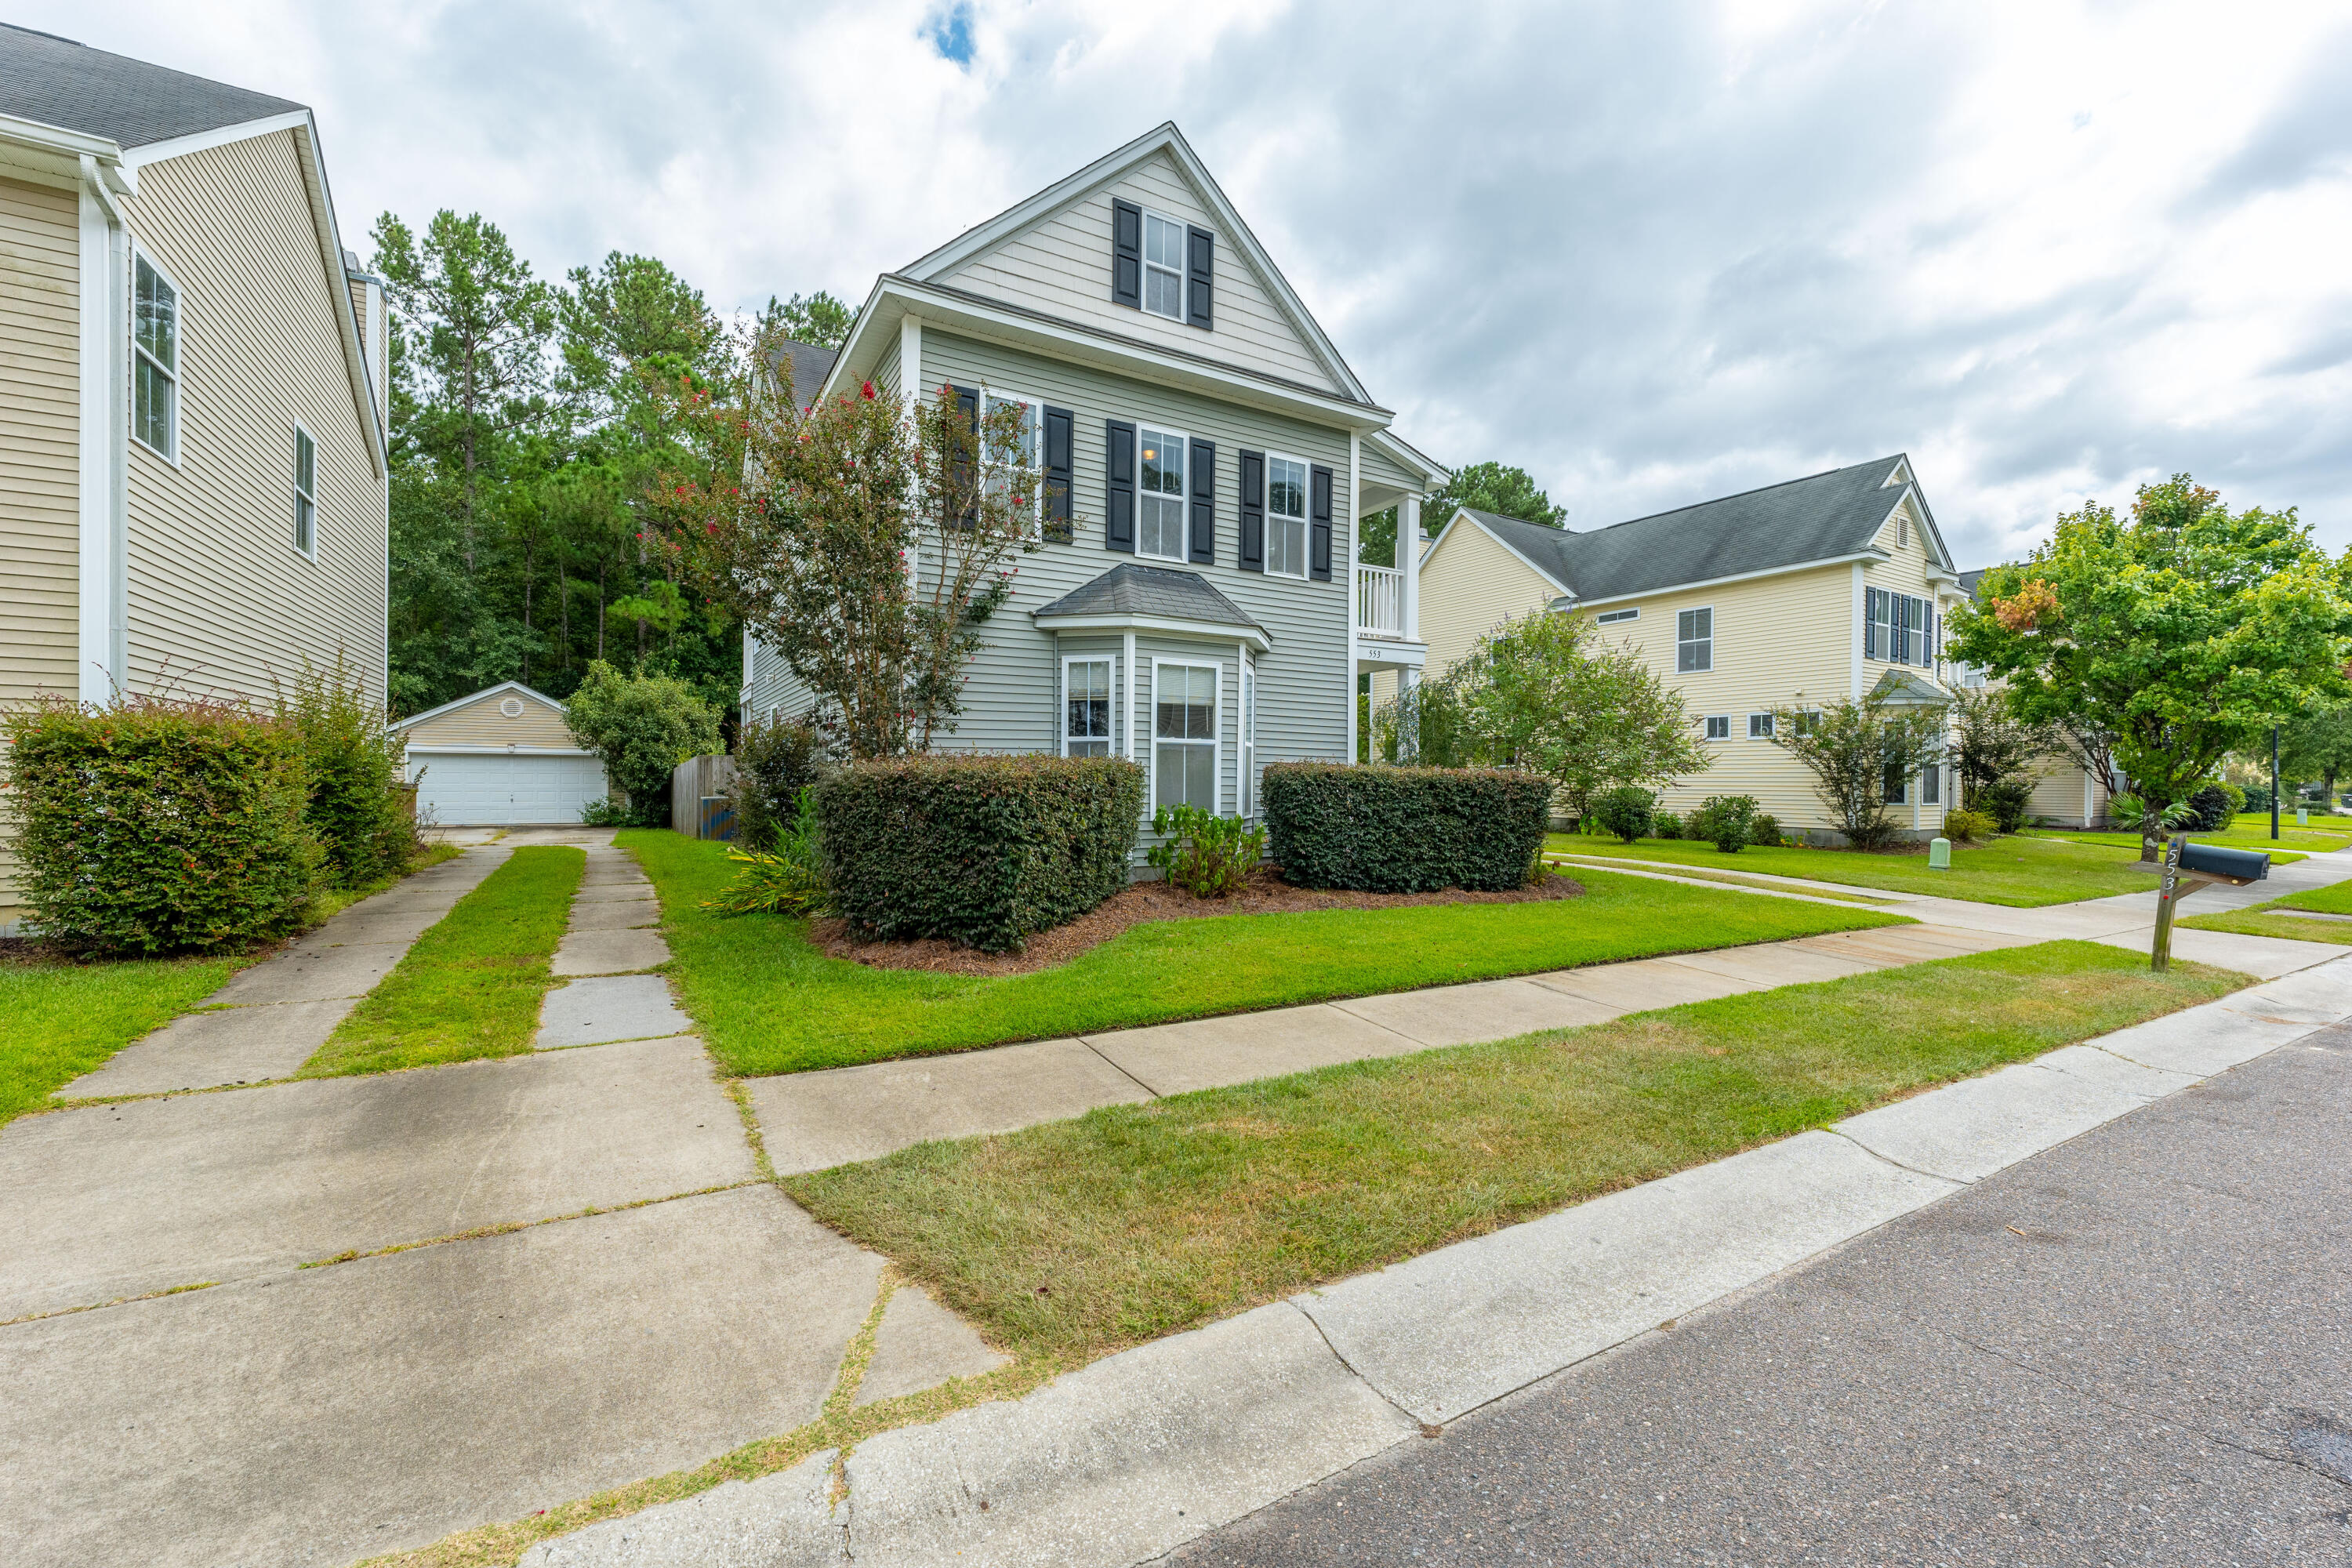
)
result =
(1517, 554)
(54, 155)
(1865, 556)
(515, 687)
(895, 297)
(218, 136)
(1127, 621)
(1396, 447)
(1163, 138)
(516, 750)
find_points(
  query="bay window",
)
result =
(1085, 708)
(1184, 736)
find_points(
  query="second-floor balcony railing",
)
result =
(1379, 601)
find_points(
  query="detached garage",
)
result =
(501, 757)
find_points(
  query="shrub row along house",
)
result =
(194, 494)
(1207, 454)
(1836, 587)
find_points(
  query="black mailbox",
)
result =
(2235, 865)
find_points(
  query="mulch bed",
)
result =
(1265, 893)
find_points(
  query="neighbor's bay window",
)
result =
(1184, 736)
(1159, 494)
(155, 361)
(1085, 708)
(1286, 517)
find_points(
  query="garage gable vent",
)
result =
(512, 707)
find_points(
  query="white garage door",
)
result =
(505, 787)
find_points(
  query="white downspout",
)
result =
(102, 634)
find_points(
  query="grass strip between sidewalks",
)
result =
(2292, 844)
(766, 1001)
(1734, 878)
(1075, 1238)
(2023, 873)
(470, 987)
(2276, 918)
(59, 1019)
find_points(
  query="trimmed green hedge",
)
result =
(160, 825)
(981, 850)
(1405, 830)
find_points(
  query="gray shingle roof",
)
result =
(1969, 580)
(130, 102)
(811, 365)
(1131, 589)
(1815, 519)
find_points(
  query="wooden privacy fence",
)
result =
(697, 797)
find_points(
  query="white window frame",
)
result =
(1706, 642)
(178, 376)
(1109, 661)
(1709, 722)
(1617, 617)
(1036, 407)
(1216, 669)
(1143, 248)
(1183, 443)
(1306, 515)
(301, 434)
(1760, 726)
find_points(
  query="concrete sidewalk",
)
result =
(1146, 1450)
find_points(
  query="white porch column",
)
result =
(1408, 548)
(910, 388)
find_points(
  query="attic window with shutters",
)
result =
(1162, 266)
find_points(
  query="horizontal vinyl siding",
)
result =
(1305, 679)
(1378, 468)
(1778, 640)
(40, 450)
(479, 723)
(1469, 586)
(1061, 265)
(2058, 794)
(220, 600)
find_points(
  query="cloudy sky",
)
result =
(1652, 253)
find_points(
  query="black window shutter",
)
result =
(1319, 525)
(1200, 268)
(1252, 510)
(1871, 616)
(1118, 469)
(968, 405)
(1126, 254)
(1204, 504)
(1061, 433)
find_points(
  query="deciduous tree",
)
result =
(1853, 747)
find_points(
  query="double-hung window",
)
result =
(1163, 267)
(1896, 789)
(1760, 726)
(306, 492)
(155, 361)
(1085, 708)
(1693, 641)
(1718, 726)
(1286, 517)
(1184, 736)
(1159, 494)
(998, 466)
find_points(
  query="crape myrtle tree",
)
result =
(1546, 693)
(864, 539)
(2181, 634)
(1991, 741)
(1853, 747)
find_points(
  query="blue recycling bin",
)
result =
(2213, 860)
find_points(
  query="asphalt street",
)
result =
(2134, 1349)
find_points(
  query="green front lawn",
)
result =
(2293, 843)
(767, 1001)
(2022, 872)
(2335, 899)
(471, 985)
(1074, 1238)
(2276, 918)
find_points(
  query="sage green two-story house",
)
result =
(1201, 612)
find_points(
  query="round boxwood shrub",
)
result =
(160, 825)
(1624, 811)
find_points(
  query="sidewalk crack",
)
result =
(1087, 1041)
(1955, 1182)
(1427, 1428)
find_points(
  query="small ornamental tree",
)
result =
(864, 539)
(2181, 634)
(1990, 741)
(1851, 747)
(1544, 691)
(642, 726)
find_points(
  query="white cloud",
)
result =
(1653, 254)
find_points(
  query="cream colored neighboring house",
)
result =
(1815, 590)
(193, 487)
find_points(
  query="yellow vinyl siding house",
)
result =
(193, 493)
(1817, 589)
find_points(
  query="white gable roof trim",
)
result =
(1463, 514)
(1167, 139)
(514, 687)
